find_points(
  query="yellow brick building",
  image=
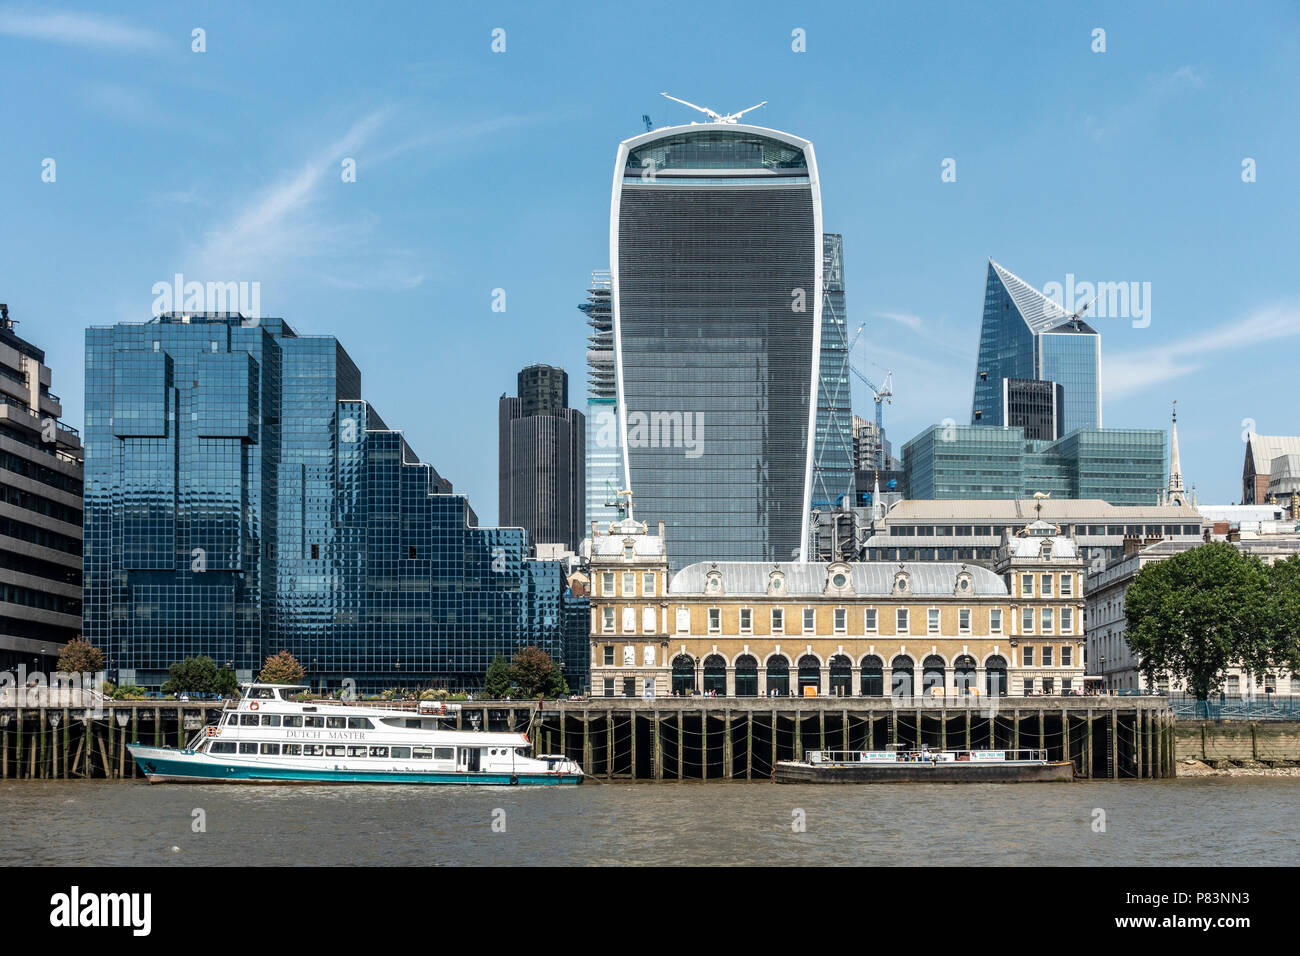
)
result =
(872, 629)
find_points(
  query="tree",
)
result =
(227, 683)
(194, 675)
(497, 682)
(1199, 612)
(79, 656)
(535, 674)
(1284, 613)
(281, 668)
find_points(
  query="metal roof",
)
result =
(1267, 447)
(1039, 312)
(870, 579)
(976, 510)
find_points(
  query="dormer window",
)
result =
(776, 583)
(965, 583)
(1045, 550)
(713, 583)
(839, 577)
(902, 582)
(629, 549)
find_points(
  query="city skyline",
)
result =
(378, 270)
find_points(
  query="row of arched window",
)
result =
(807, 673)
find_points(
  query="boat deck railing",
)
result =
(926, 755)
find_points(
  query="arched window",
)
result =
(810, 673)
(715, 675)
(746, 676)
(683, 675)
(841, 676)
(932, 675)
(778, 676)
(902, 684)
(873, 676)
(963, 674)
(995, 676)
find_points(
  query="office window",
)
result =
(900, 620)
(715, 620)
(1048, 683)
(1047, 620)
(629, 584)
(1027, 656)
(778, 620)
(1027, 620)
(841, 620)
(629, 686)
(1067, 656)
(1029, 685)
(871, 619)
(609, 687)
(683, 620)
(1067, 620)
(648, 584)
(607, 619)
(963, 620)
(1046, 588)
(995, 620)
(932, 620)
(1026, 585)
(1048, 656)
(1067, 585)
(629, 620)
(746, 620)
(609, 655)
(809, 620)
(648, 622)
(607, 583)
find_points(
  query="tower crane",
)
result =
(881, 394)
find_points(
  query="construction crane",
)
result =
(881, 394)
(645, 118)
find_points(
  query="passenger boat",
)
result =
(269, 737)
(924, 766)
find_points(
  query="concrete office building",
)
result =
(40, 510)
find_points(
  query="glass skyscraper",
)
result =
(833, 459)
(1124, 466)
(716, 254)
(1026, 335)
(604, 472)
(241, 498)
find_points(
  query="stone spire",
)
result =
(1177, 494)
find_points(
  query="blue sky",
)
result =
(479, 170)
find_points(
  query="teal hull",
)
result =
(164, 766)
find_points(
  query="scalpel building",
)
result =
(716, 267)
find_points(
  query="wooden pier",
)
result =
(673, 738)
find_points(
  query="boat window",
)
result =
(222, 747)
(336, 723)
(292, 720)
(293, 750)
(335, 750)
(261, 693)
(379, 751)
(522, 751)
(313, 721)
(360, 723)
(444, 753)
(270, 720)
(422, 753)
(358, 751)
(248, 748)
(289, 693)
(232, 719)
(248, 720)
(412, 722)
(272, 749)
(313, 750)
(401, 753)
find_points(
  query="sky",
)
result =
(945, 135)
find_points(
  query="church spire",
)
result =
(1177, 494)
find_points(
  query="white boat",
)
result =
(269, 737)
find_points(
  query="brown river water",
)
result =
(1187, 822)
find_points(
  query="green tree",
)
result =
(79, 656)
(227, 684)
(535, 674)
(282, 668)
(497, 682)
(1199, 612)
(194, 675)
(1284, 613)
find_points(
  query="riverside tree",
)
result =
(497, 682)
(282, 668)
(79, 656)
(535, 674)
(1200, 612)
(199, 675)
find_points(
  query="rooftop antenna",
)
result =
(715, 116)
(645, 118)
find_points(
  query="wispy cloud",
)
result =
(1128, 373)
(78, 29)
(1159, 89)
(902, 318)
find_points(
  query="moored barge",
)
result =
(924, 766)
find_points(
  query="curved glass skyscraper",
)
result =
(716, 271)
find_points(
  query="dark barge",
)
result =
(925, 766)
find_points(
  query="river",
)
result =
(1188, 822)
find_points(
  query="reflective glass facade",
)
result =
(243, 499)
(833, 457)
(717, 250)
(1122, 466)
(1026, 335)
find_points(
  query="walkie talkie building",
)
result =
(716, 269)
